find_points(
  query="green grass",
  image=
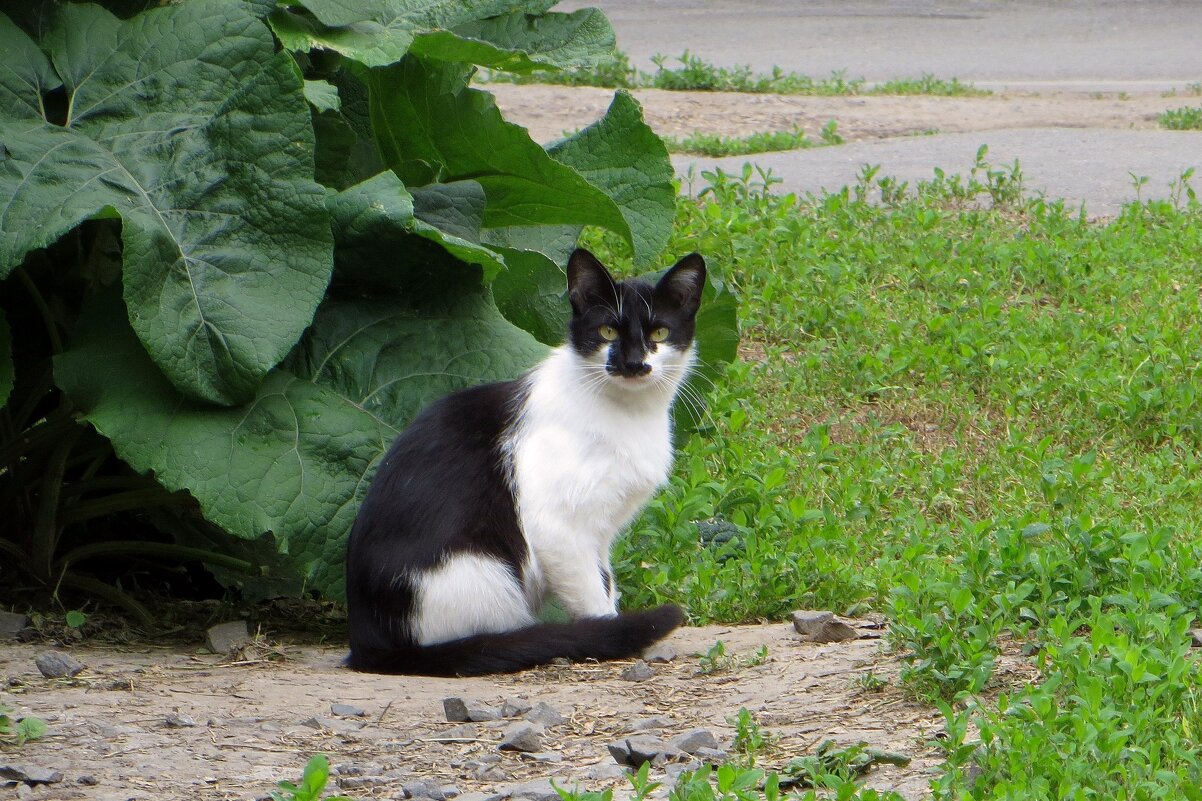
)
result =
(1186, 118)
(706, 144)
(690, 72)
(981, 415)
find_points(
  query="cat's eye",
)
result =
(659, 334)
(608, 333)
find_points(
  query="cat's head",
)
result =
(634, 334)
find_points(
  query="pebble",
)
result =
(527, 737)
(660, 652)
(458, 710)
(634, 751)
(1196, 637)
(639, 671)
(316, 722)
(177, 721)
(822, 626)
(515, 707)
(540, 790)
(420, 789)
(604, 770)
(482, 797)
(88, 780)
(643, 724)
(359, 782)
(714, 756)
(347, 711)
(225, 637)
(11, 625)
(29, 775)
(24, 791)
(57, 665)
(546, 757)
(690, 741)
(545, 714)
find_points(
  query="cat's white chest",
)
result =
(583, 466)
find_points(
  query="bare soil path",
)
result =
(171, 723)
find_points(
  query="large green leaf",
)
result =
(295, 460)
(7, 374)
(373, 222)
(430, 127)
(484, 32)
(185, 123)
(623, 157)
(394, 355)
(533, 294)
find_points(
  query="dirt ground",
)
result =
(550, 111)
(164, 723)
(144, 722)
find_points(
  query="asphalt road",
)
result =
(1112, 45)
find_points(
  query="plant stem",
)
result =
(108, 593)
(56, 342)
(166, 550)
(122, 502)
(46, 523)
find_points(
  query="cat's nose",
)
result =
(636, 368)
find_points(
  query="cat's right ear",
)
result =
(589, 282)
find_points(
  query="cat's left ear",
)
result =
(681, 286)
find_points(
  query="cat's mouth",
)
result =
(630, 372)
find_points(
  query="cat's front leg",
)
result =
(584, 586)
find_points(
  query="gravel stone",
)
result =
(88, 780)
(690, 741)
(11, 625)
(458, 710)
(1196, 638)
(546, 757)
(515, 707)
(540, 790)
(316, 722)
(481, 797)
(347, 711)
(714, 756)
(639, 671)
(359, 782)
(177, 721)
(226, 637)
(822, 626)
(603, 771)
(29, 775)
(57, 665)
(545, 714)
(634, 751)
(524, 736)
(660, 652)
(643, 724)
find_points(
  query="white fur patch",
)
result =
(468, 594)
(587, 453)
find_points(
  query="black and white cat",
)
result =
(498, 495)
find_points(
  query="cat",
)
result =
(498, 495)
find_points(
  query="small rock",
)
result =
(481, 797)
(347, 711)
(714, 756)
(639, 671)
(226, 637)
(316, 722)
(523, 736)
(643, 724)
(458, 710)
(57, 665)
(418, 789)
(1196, 637)
(540, 790)
(660, 652)
(515, 707)
(545, 714)
(690, 741)
(360, 782)
(457, 732)
(547, 757)
(449, 791)
(24, 791)
(88, 780)
(489, 773)
(822, 627)
(29, 775)
(604, 770)
(634, 751)
(12, 624)
(674, 769)
(177, 721)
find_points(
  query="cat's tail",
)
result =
(601, 638)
